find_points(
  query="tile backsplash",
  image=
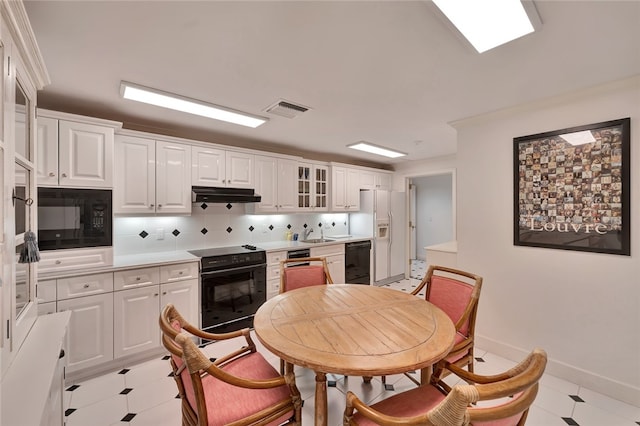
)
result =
(213, 225)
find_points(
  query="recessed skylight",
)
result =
(375, 149)
(192, 106)
(487, 24)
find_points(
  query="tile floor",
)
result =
(145, 394)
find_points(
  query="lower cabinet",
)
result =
(136, 314)
(334, 254)
(90, 332)
(273, 272)
(115, 314)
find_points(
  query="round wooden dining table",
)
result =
(353, 330)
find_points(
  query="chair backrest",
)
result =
(303, 272)
(514, 391)
(456, 292)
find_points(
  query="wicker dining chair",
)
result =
(303, 272)
(501, 399)
(239, 388)
(457, 293)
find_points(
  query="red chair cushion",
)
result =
(227, 403)
(414, 402)
(304, 276)
(452, 296)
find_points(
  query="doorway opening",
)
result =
(432, 216)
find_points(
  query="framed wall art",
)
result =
(571, 188)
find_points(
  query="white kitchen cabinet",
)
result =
(184, 296)
(74, 152)
(152, 176)
(273, 272)
(334, 253)
(138, 307)
(276, 183)
(312, 187)
(219, 168)
(135, 321)
(345, 189)
(375, 179)
(90, 333)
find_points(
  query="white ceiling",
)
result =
(389, 72)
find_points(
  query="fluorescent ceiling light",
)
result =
(579, 138)
(373, 149)
(487, 23)
(192, 106)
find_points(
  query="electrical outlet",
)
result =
(160, 234)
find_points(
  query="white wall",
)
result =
(582, 308)
(434, 216)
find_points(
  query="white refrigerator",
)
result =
(382, 216)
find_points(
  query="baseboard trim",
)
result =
(615, 389)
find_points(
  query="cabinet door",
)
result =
(266, 176)
(135, 183)
(320, 188)
(173, 178)
(287, 185)
(352, 190)
(338, 188)
(239, 170)
(336, 267)
(207, 166)
(304, 186)
(47, 146)
(367, 179)
(135, 320)
(85, 155)
(90, 332)
(184, 296)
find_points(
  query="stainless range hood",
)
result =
(206, 194)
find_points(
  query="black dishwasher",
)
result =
(357, 261)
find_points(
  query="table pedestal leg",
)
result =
(425, 375)
(321, 399)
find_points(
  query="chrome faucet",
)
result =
(306, 233)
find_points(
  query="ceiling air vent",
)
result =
(286, 109)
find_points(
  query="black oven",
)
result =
(74, 218)
(233, 285)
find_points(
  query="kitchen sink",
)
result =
(317, 240)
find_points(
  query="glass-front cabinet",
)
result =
(23, 73)
(313, 181)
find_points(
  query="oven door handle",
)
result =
(233, 270)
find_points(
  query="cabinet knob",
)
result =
(58, 262)
(164, 293)
(159, 206)
(61, 355)
(86, 286)
(151, 206)
(51, 174)
(64, 175)
(180, 273)
(155, 295)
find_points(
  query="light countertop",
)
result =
(449, 246)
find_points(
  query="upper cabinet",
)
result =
(220, 168)
(374, 179)
(313, 187)
(151, 176)
(74, 153)
(345, 189)
(276, 180)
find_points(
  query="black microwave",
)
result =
(74, 218)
